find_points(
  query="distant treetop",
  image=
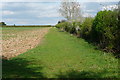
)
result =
(2, 24)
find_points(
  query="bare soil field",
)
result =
(17, 41)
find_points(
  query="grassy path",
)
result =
(61, 55)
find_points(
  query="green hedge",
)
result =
(103, 30)
(78, 28)
(70, 27)
(86, 27)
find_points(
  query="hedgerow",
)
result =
(103, 30)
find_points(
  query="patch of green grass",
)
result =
(62, 56)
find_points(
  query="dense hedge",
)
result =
(103, 30)
(78, 28)
(86, 28)
(70, 27)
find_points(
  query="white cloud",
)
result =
(109, 7)
(88, 15)
(30, 0)
(17, 21)
(107, 0)
(35, 9)
(7, 12)
(22, 22)
(43, 6)
(9, 20)
(30, 13)
(44, 10)
(52, 14)
(58, 0)
(0, 5)
(90, 10)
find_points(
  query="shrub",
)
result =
(86, 27)
(68, 27)
(104, 29)
(61, 25)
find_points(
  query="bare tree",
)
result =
(119, 5)
(70, 10)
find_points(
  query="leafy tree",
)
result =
(2, 24)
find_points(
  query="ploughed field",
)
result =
(59, 55)
(18, 40)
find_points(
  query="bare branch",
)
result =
(70, 10)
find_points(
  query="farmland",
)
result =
(18, 40)
(59, 55)
(60, 39)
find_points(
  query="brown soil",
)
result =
(23, 42)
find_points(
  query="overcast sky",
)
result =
(44, 12)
